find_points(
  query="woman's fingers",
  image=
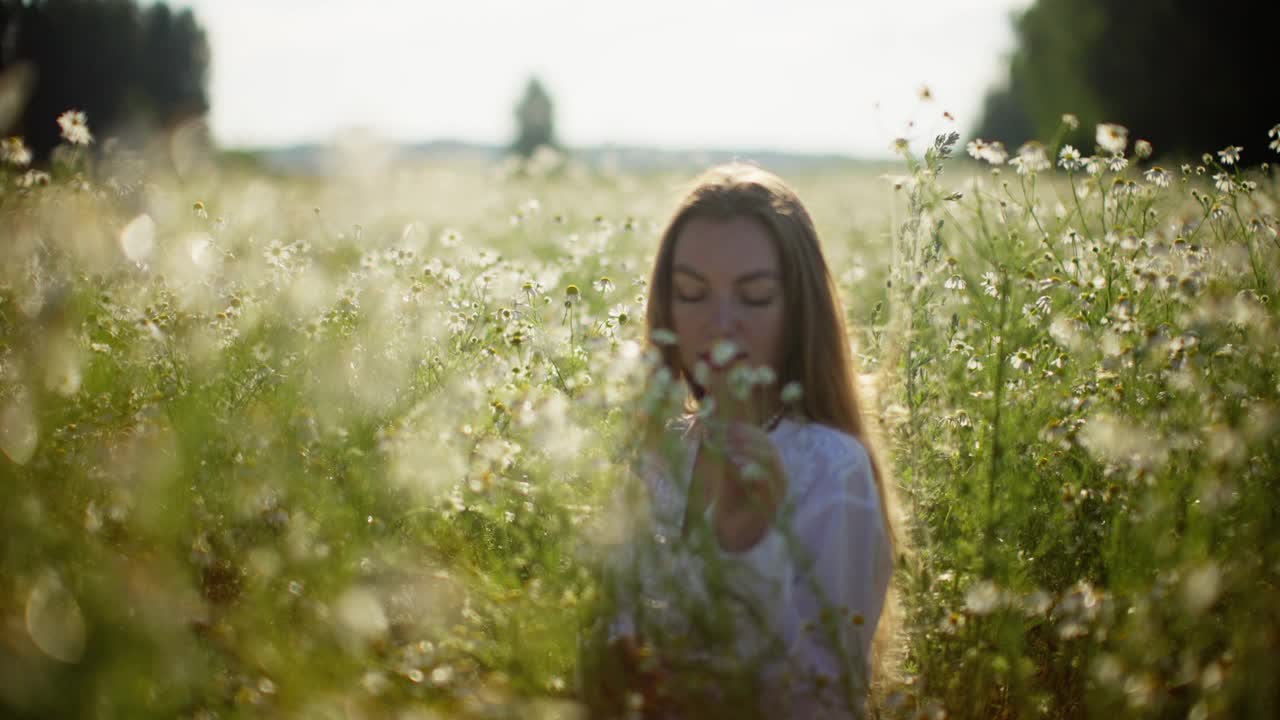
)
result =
(759, 474)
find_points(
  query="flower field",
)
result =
(292, 447)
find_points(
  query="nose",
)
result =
(724, 316)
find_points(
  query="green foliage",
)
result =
(1093, 502)
(1176, 71)
(277, 447)
(131, 69)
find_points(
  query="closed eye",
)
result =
(758, 290)
(691, 285)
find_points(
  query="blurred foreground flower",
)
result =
(1230, 155)
(991, 152)
(1112, 138)
(75, 127)
(1157, 176)
(1031, 159)
(54, 621)
(13, 151)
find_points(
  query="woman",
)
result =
(757, 580)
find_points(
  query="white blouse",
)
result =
(827, 551)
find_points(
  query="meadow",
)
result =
(343, 446)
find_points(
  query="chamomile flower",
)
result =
(1116, 163)
(451, 238)
(1070, 121)
(75, 127)
(1157, 176)
(791, 393)
(722, 352)
(277, 253)
(1230, 155)
(1274, 133)
(14, 152)
(1112, 138)
(990, 284)
(1031, 159)
(995, 153)
(1224, 183)
(33, 178)
(1142, 149)
(1069, 158)
(663, 337)
(619, 315)
(983, 598)
(990, 152)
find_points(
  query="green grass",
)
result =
(314, 448)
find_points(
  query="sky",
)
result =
(817, 76)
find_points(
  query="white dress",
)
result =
(804, 601)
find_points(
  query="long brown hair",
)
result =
(817, 354)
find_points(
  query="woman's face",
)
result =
(727, 285)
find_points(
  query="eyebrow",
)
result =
(748, 277)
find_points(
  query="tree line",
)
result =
(131, 70)
(1187, 75)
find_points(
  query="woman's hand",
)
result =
(751, 488)
(754, 481)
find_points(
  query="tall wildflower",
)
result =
(1112, 138)
(75, 127)
(991, 152)
(1157, 176)
(14, 152)
(1069, 158)
(1230, 155)
(1031, 159)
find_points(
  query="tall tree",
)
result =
(535, 120)
(112, 60)
(174, 60)
(1180, 73)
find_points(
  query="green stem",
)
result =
(1259, 273)
(1031, 209)
(1071, 180)
(996, 449)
